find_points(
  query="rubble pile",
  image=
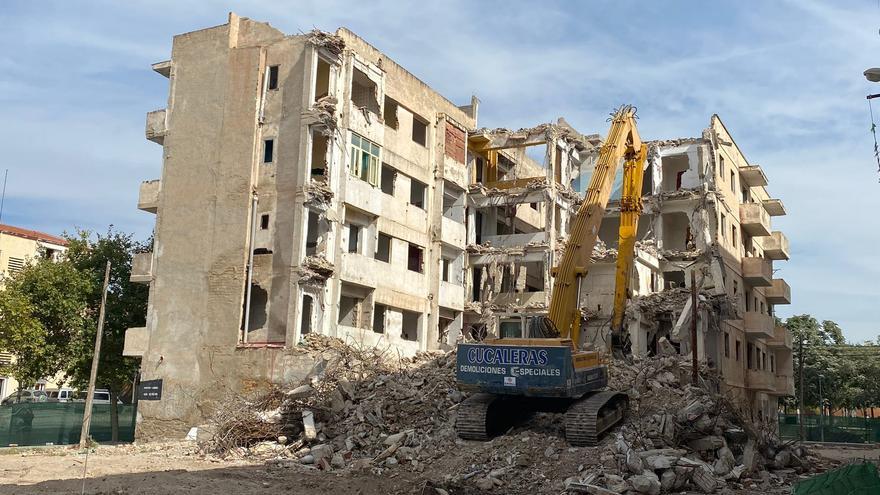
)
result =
(329, 41)
(318, 192)
(362, 409)
(683, 437)
(359, 406)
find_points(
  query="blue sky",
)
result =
(785, 77)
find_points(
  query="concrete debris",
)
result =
(323, 111)
(315, 269)
(366, 410)
(318, 192)
(330, 42)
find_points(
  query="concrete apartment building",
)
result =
(18, 247)
(706, 210)
(312, 185)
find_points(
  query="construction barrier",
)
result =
(854, 479)
(60, 423)
(835, 428)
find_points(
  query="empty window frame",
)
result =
(354, 238)
(733, 181)
(420, 131)
(721, 167)
(319, 153)
(726, 345)
(350, 311)
(750, 356)
(738, 350)
(272, 77)
(306, 321)
(388, 176)
(415, 261)
(390, 113)
(379, 311)
(723, 227)
(268, 150)
(364, 92)
(264, 221)
(383, 248)
(417, 192)
(410, 325)
(772, 364)
(733, 235)
(364, 159)
(445, 263)
(322, 79)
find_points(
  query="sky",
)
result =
(784, 76)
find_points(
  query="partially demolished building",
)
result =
(312, 185)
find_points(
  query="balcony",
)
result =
(759, 325)
(775, 246)
(783, 385)
(754, 219)
(774, 207)
(452, 232)
(136, 340)
(156, 126)
(781, 338)
(163, 67)
(516, 240)
(148, 196)
(761, 380)
(142, 268)
(779, 292)
(757, 272)
(753, 176)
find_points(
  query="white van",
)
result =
(63, 395)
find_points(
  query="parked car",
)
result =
(63, 395)
(26, 395)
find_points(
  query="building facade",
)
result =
(18, 247)
(312, 185)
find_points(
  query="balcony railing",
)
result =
(779, 292)
(148, 196)
(156, 126)
(142, 268)
(754, 219)
(759, 324)
(762, 380)
(784, 385)
(775, 246)
(757, 272)
(781, 338)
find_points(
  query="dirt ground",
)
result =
(172, 468)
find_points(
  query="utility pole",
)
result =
(801, 387)
(821, 411)
(93, 376)
(695, 363)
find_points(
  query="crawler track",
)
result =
(591, 416)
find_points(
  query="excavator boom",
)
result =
(623, 143)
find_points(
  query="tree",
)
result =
(42, 309)
(126, 308)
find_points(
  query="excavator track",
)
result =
(591, 416)
(473, 421)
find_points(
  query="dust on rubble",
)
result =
(365, 412)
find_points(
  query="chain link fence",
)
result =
(830, 429)
(60, 423)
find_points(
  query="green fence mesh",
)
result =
(60, 423)
(855, 479)
(835, 429)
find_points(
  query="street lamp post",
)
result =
(821, 411)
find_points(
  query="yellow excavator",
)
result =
(551, 370)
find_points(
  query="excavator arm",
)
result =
(630, 209)
(623, 143)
